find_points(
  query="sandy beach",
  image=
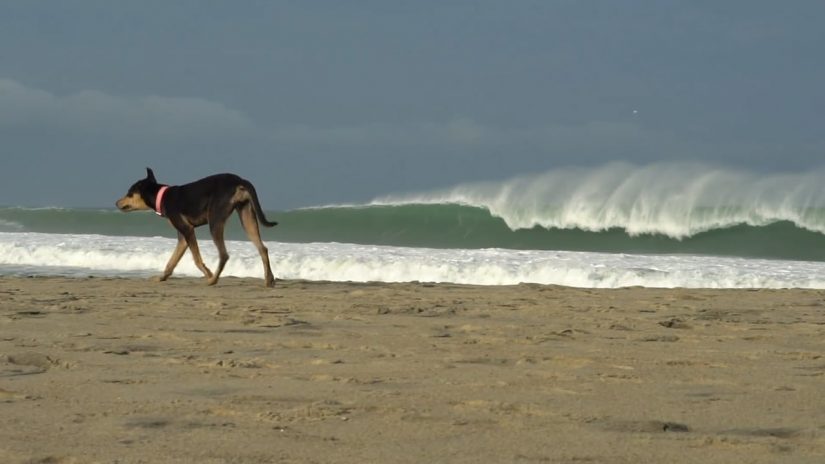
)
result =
(129, 370)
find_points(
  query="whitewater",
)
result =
(97, 255)
(665, 225)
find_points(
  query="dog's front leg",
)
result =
(189, 236)
(196, 255)
(180, 249)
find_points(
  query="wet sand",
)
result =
(129, 370)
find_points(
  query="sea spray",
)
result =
(670, 199)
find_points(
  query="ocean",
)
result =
(614, 226)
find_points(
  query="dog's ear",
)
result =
(150, 176)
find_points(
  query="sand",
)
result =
(129, 370)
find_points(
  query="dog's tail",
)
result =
(256, 205)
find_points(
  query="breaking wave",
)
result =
(672, 200)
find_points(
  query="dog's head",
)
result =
(136, 198)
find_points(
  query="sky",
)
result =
(327, 102)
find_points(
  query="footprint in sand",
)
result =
(7, 396)
(643, 426)
(25, 364)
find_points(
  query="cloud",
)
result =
(92, 115)
(464, 135)
(456, 132)
(98, 113)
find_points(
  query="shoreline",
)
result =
(130, 370)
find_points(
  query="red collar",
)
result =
(159, 200)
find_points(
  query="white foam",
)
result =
(52, 254)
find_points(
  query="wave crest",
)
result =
(671, 199)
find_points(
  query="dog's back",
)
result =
(194, 199)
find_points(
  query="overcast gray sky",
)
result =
(322, 102)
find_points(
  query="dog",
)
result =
(210, 200)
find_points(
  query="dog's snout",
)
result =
(131, 202)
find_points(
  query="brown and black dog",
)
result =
(210, 200)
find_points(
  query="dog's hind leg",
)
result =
(216, 228)
(250, 224)
(180, 249)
